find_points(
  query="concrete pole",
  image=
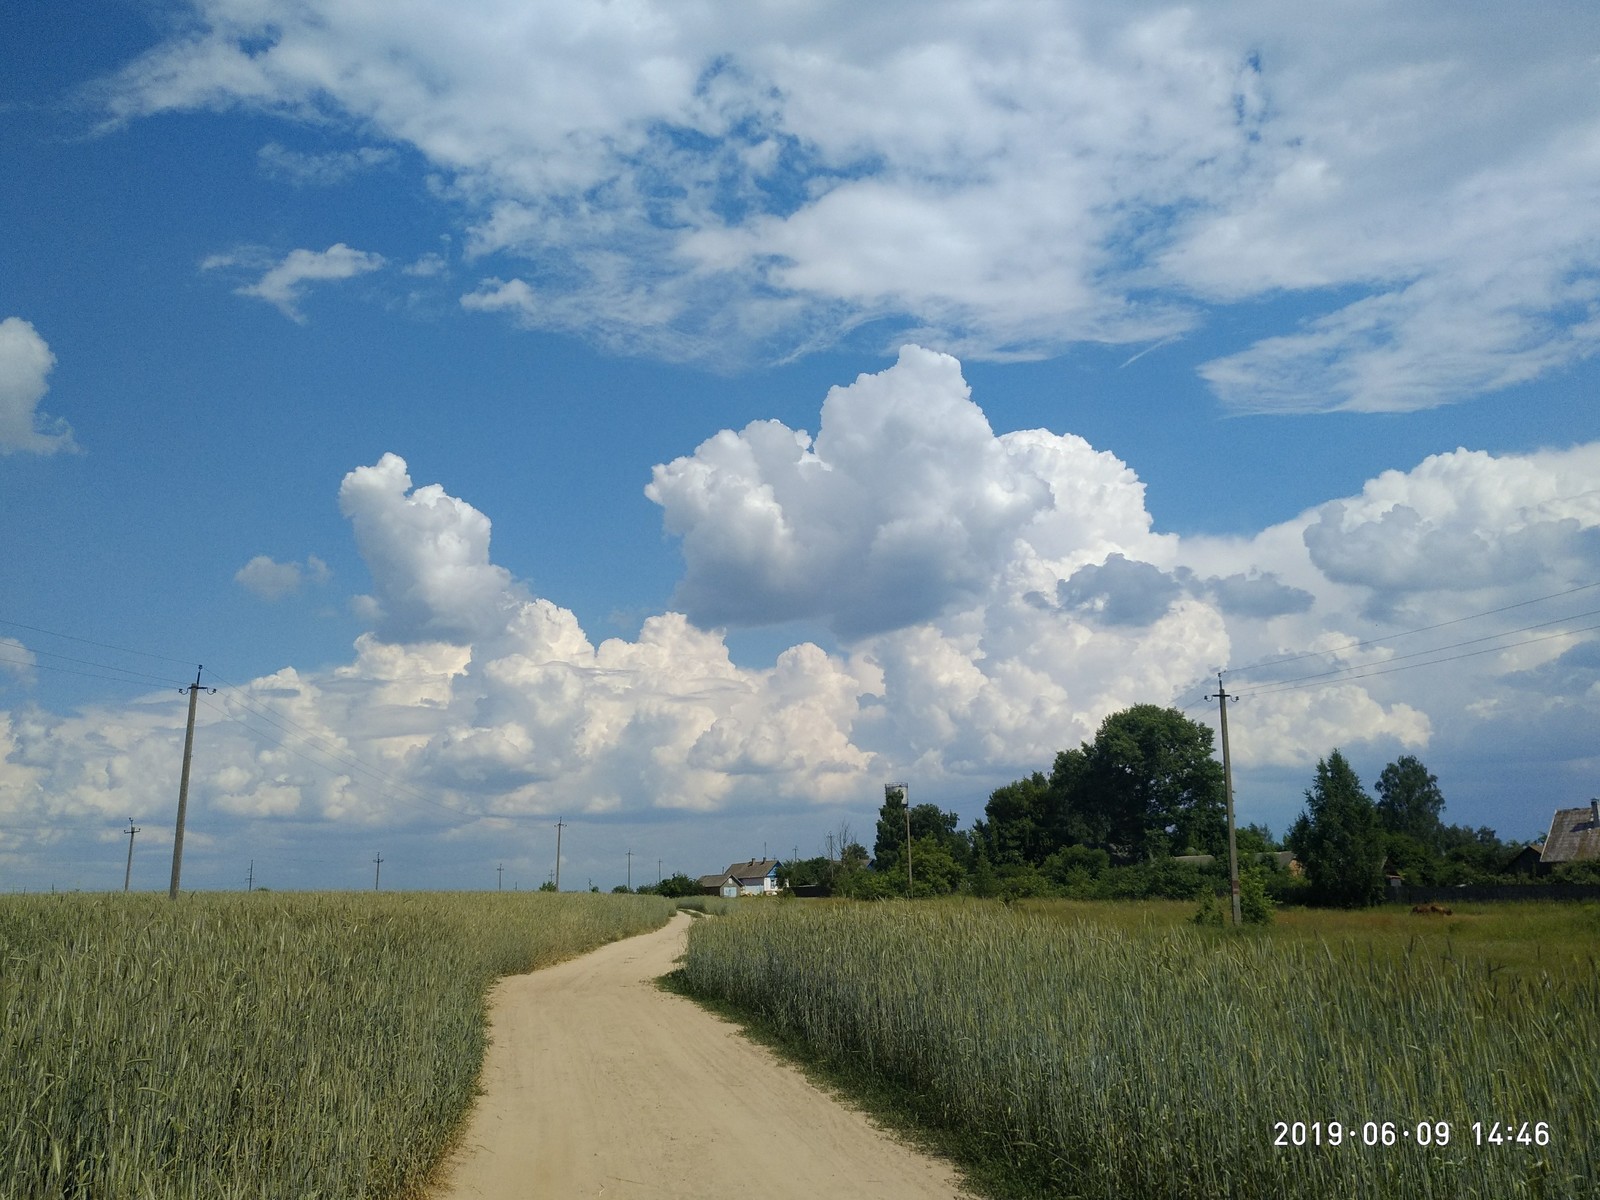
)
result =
(183, 787)
(128, 874)
(1227, 780)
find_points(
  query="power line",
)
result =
(1279, 662)
(1320, 680)
(142, 682)
(163, 681)
(91, 642)
(1488, 637)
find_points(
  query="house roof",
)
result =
(756, 868)
(714, 881)
(1574, 835)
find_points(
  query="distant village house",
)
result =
(758, 877)
(1574, 836)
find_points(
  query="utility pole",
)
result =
(630, 870)
(1227, 782)
(377, 869)
(250, 877)
(658, 872)
(905, 798)
(183, 783)
(128, 874)
(560, 825)
(499, 877)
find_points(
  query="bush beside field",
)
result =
(258, 1046)
(1081, 1059)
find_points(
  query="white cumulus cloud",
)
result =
(272, 580)
(904, 507)
(25, 365)
(993, 596)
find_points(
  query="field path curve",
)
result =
(599, 1084)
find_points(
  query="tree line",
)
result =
(1134, 813)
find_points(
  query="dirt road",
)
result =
(598, 1084)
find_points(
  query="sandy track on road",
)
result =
(598, 1084)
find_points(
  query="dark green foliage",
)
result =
(808, 872)
(678, 885)
(1150, 786)
(1255, 905)
(1015, 828)
(1409, 801)
(1145, 787)
(1338, 838)
(1210, 911)
(1410, 859)
(891, 826)
(1252, 840)
(1576, 872)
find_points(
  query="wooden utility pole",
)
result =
(630, 870)
(250, 877)
(1227, 783)
(499, 877)
(377, 869)
(560, 825)
(183, 784)
(128, 874)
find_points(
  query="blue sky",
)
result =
(1234, 336)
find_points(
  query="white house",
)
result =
(758, 877)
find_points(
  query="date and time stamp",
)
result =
(1294, 1135)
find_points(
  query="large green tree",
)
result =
(1147, 786)
(1409, 801)
(1015, 827)
(928, 822)
(1338, 838)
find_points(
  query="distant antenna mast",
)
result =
(194, 690)
(904, 789)
(560, 825)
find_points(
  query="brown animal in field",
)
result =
(1430, 910)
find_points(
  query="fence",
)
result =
(1494, 891)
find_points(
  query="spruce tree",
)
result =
(1339, 840)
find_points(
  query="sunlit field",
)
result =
(1116, 1050)
(263, 1045)
(1527, 939)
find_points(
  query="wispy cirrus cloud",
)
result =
(283, 284)
(325, 168)
(998, 181)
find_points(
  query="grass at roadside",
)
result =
(1067, 1056)
(261, 1046)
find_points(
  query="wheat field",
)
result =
(263, 1045)
(1087, 1059)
